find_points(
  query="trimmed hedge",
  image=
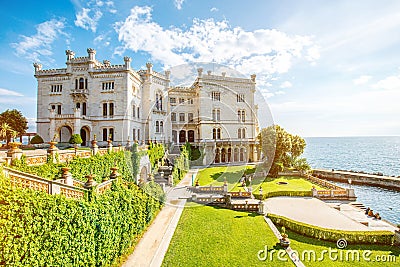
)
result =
(284, 194)
(37, 139)
(38, 229)
(99, 165)
(181, 164)
(353, 237)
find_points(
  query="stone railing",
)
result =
(321, 182)
(26, 180)
(246, 207)
(209, 189)
(36, 159)
(339, 194)
(240, 194)
(60, 186)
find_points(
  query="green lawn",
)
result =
(217, 175)
(208, 236)
(232, 174)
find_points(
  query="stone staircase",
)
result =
(358, 205)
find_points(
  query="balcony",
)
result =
(79, 95)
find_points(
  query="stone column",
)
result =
(109, 146)
(170, 180)
(95, 147)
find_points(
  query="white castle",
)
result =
(216, 113)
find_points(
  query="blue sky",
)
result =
(326, 68)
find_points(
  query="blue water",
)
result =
(368, 154)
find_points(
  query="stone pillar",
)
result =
(261, 207)
(314, 192)
(52, 150)
(67, 176)
(95, 147)
(170, 180)
(225, 186)
(14, 152)
(127, 61)
(350, 193)
(194, 197)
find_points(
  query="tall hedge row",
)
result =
(37, 229)
(181, 164)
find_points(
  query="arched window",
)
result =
(81, 83)
(239, 133)
(161, 126)
(111, 109)
(219, 133)
(157, 127)
(84, 108)
(214, 133)
(133, 111)
(243, 116)
(239, 115)
(160, 101)
(76, 83)
(157, 104)
(243, 133)
(86, 82)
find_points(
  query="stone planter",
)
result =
(52, 144)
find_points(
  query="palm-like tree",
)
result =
(5, 130)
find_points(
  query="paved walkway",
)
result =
(316, 212)
(151, 249)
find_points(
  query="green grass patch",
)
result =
(208, 236)
(217, 175)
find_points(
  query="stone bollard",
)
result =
(261, 208)
(314, 192)
(332, 194)
(67, 176)
(194, 197)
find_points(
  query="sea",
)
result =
(369, 154)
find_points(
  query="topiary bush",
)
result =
(75, 139)
(37, 139)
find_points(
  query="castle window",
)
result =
(58, 109)
(243, 133)
(84, 108)
(172, 100)
(138, 134)
(53, 107)
(86, 83)
(107, 86)
(133, 112)
(108, 134)
(216, 96)
(134, 134)
(239, 133)
(78, 105)
(81, 83)
(181, 100)
(190, 101)
(138, 112)
(241, 115)
(105, 109)
(157, 127)
(173, 116)
(161, 126)
(76, 83)
(181, 116)
(217, 133)
(190, 117)
(56, 88)
(111, 111)
(240, 98)
(216, 114)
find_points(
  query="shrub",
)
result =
(38, 229)
(75, 139)
(284, 194)
(353, 237)
(37, 139)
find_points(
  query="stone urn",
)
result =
(52, 144)
(14, 145)
(284, 241)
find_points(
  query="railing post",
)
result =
(14, 152)
(67, 176)
(52, 150)
(95, 147)
(114, 173)
(110, 146)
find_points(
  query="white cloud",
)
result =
(214, 9)
(262, 51)
(88, 19)
(178, 4)
(389, 83)
(286, 84)
(363, 79)
(6, 92)
(38, 45)
(280, 92)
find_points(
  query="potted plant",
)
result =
(284, 241)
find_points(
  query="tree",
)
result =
(15, 120)
(37, 139)
(5, 130)
(280, 148)
(75, 139)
